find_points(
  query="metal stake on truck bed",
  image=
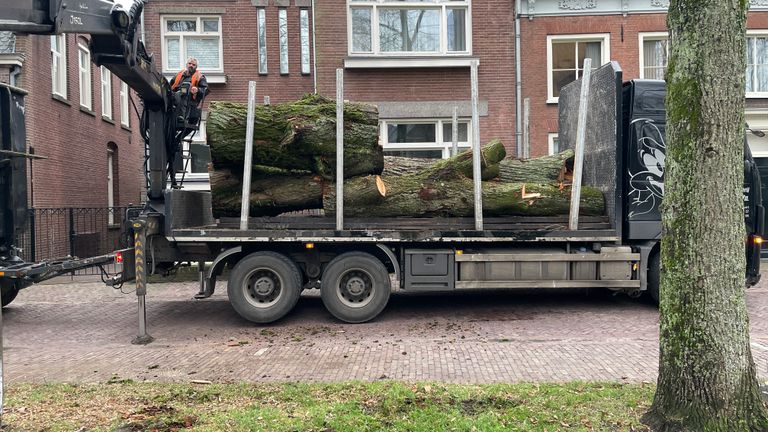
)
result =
(578, 164)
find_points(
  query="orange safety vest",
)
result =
(179, 76)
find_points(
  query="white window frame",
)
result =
(85, 76)
(261, 39)
(59, 65)
(304, 40)
(551, 137)
(282, 34)
(125, 105)
(439, 144)
(441, 5)
(604, 38)
(752, 34)
(650, 36)
(182, 44)
(106, 92)
(110, 186)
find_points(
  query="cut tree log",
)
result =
(545, 169)
(407, 196)
(271, 196)
(298, 135)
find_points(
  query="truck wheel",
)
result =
(8, 292)
(654, 278)
(264, 286)
(355, 287)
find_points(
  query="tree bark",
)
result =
(545, 169)
(299, 135)
(414, 197)
(707, 376)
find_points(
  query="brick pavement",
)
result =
(81, 332)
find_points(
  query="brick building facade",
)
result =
(415, 82)
(93, 154)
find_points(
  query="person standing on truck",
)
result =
(189, 88)
(198, 88)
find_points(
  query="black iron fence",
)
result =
(53, 233)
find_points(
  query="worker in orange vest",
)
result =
(198, 86)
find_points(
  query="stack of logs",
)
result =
(294, 156)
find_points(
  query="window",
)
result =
(423, 138)
(262, 21)
(106, 93)
(59, 65)
(84, 67)
(390, 28)
(191, 164)
(192, 36)
(757, 64)
(565, 59)
(283, 33)
(654, 55)
(554, 143)
(111, 183)
(304, 24)
(125, 113)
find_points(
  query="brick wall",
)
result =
(492, 44)
(75, 142)
(240, 48)
(624, 48)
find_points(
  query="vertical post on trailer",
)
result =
(339, 149)
(476, 177)
(455, 131)
(245, 203)
(526, 129)
(140, 245)
(578, 160)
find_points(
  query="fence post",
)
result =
(71, 232)
(32, 236)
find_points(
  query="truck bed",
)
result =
(323, 229)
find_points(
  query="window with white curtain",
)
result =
(553, 142)
(757, 64)
(304, 25)
(261, 16)
(125, 113)
(282, 28)
(654, 55)
(424, 138)
(391, 28)
(106, 93)
(84, 69)
(565, 59)
(59, 65)
(192, 36)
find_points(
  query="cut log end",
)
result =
(381, 186)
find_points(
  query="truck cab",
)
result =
(643, 141)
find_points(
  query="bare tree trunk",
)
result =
(707, 376)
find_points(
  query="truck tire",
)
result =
(355, 287)
(264, 286)
(654, 276)
(8, 291)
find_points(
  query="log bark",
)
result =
(270, 196)
(273, 195)
(415, 197)
(299, 135)
(707, 376)
(545, 169)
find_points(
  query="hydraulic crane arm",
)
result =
(112, 27)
